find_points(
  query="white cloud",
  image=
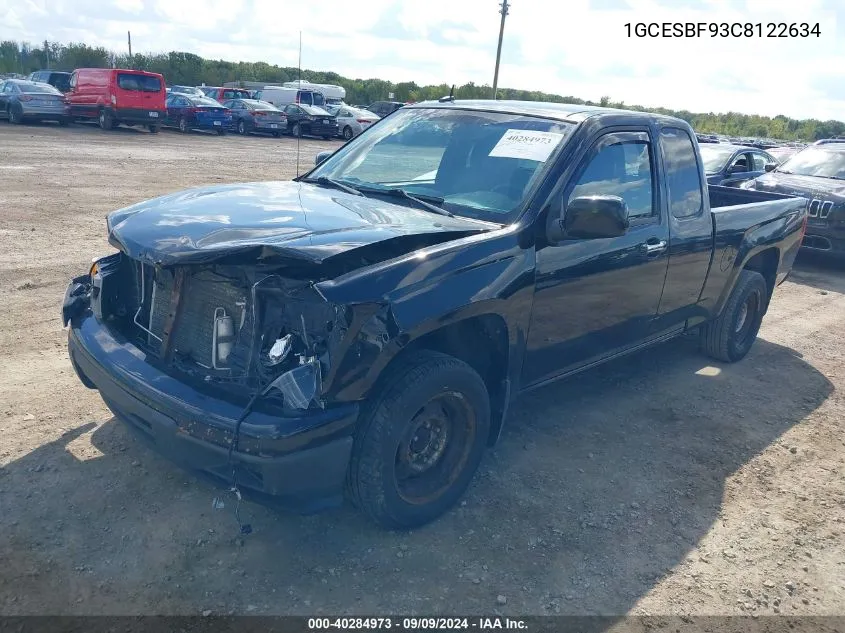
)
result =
(571, 48)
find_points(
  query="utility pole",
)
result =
(504, 11)
(129, 38)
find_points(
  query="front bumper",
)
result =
(295, 462)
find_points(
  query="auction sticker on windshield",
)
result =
(527, 144)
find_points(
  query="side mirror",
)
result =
(591, 217)
(322, 156)
(770, 166)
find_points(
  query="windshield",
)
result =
(480, 164)
(816, 161)
(139, 83)
(715, 157)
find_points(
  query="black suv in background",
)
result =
(59, 80)
(383, 108)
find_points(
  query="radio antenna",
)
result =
(298, 86)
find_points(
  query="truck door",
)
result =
(692, 231)
(596, 297)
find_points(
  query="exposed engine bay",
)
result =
(228, 327)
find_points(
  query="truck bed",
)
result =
(721, 197)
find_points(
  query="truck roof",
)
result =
(560, 111)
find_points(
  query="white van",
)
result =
(280, 96)
(333, 94)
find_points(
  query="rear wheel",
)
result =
(183, 125)
(154, 129)
(106, 120)
(241, 127)
(64, 122)
(420, 441)
(276, 134)
(347, 133)
(15, 115)
(297, 130)
(221, 132)
(730, 336)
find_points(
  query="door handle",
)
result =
(653, 246)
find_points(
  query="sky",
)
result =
(570, 47)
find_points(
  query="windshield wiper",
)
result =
(420, 199)
(336, 184)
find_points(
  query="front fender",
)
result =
(402, 300)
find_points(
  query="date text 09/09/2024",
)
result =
(722, 29)
(417, 624)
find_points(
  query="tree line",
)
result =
(188, 69)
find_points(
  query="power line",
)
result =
(504, 11)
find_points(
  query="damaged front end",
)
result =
(229, 329)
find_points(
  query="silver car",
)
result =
(351, 121)
(21, 99)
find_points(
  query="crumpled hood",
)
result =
(269, 221)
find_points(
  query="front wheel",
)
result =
(241, 127)
(297, 130)
(730, 336)
(420, 441)
(347, 133)
(183, 125)
(15, 115)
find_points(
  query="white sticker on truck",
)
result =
(527, 144)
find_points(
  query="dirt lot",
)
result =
(660, 484)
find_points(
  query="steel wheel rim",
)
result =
(434, 448)
(745, 320)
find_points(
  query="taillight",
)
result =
(363, 121)
(25, 98)
(259, 113)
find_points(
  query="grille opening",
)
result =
(816, 242)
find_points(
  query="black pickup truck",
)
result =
(364, 329)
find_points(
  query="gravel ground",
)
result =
(659, 484)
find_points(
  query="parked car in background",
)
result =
(383, 108)
(333, 95)
(816, 172)
(22, 100)
(306, 120)
(252, 115)
(113, 96)
(730, 165)
(192, 91)
(783, 153)
(280, 96)
(351, 121)
(224, 94)
(58, 79)
(197, 113)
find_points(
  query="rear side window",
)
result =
(138, 83)
(682, 173)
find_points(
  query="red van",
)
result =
(114, 96)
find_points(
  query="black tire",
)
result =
(64, 122)
(297, 130)
(106, 120)
(241, 127)
(276, 134)
(385, 481)
(348, 133)
(221, 132)
(154, 129)
(327, 138)
(15, 115)
(183, 125)
(730, 336)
